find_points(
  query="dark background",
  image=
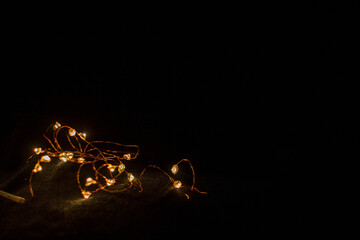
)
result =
(263, 99)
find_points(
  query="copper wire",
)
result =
(85, 152)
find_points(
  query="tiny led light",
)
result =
(127, 156)
(56, 126)
(81, 159)
(86, 194)
(63, 157)
(111, 167)
(90, 181)
(37, 168)
(130, 177)
(45, 158)
(121, 167)
(175, 169)
(177, 184)
(110, 182)
(37, 150)
(72, 132)
(69, 155)
(82, 135)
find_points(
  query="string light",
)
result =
(45, 158)
(127, 156)
(111, 168)
(62, 156)
(37, 168)
(174, 169)
(89, 181)
(72, 132)
(56, 125)
(69, 155)
(110, 182)
(93, 154)
(37, 151)
(82, 135)
(130, 177)
(121, 167)
(177, 184)
(86, 194)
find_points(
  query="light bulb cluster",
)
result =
(107, 164)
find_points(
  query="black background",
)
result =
(262, 99)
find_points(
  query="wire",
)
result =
(106, 163)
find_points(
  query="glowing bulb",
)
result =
(45, 158)
(127, 156)
(81, 159)
(37, 168)
(72, 132)
(110, 182)
(174, 169)
(177, 184)
(86, 194)
(130, 177)
(111, 167)
(62, 156)
(90, 181)
(56, 126)
(69, 155)
(121, 167)
(37, 150)
(82, 135)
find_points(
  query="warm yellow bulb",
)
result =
(45, 158)
(121, 167)
(130, 177)
(86, 194)
(111, 167)
(110, 182)
(81, 159)
(72, 132)
(62, 156)
(56, 126)
(177, 184)
(37, 150)
(175, 169)
(37, 168)
(69, 155)
(89, 181)
(127, 156)
(82, 135)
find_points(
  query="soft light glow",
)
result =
(81, 159)
(72, 132)
(130, 177)
(175, 169)
(110, 182)
(177, 184)
(90, 181)
(82, 135)
(121, 167)
(37, 168)
(127, 156)
(111, 167)
(69, 155)
(37, 150)
(62, 156)
(45, 158)
(86, 194)
(56, 126)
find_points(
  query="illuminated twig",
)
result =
(107, 164)
(12, 197)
